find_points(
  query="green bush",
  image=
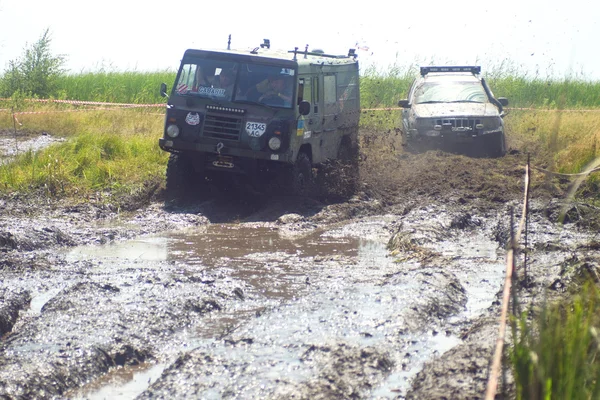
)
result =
(36, 73)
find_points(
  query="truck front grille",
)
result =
(227, 127)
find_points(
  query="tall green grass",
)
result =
(115, 87)
(378, 88)
(557, 356)
(86, 164)
(385, 88)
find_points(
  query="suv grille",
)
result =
(458, 124)
(226, 127)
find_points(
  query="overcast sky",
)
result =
(557, 38)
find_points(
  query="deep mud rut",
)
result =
(392, 294)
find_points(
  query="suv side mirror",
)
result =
(404, 103)
(503, 101)
(304, 108)
(163, 90)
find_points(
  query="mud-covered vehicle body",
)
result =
(278, 115)
(453, 108)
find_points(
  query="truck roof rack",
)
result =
(321, 53)
(469, 68)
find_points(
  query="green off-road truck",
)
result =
(262, 117)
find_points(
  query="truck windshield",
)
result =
(238, 82)
(206, 78)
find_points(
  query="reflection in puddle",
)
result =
(121, 383)
(420, 352)
(211, 245)
(259, 256)
(39, 300)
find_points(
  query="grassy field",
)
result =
(110, 152)
(115, 87)
(561, 140)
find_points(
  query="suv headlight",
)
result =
(173, 131)
(491, 125)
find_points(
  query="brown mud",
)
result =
(393, 293)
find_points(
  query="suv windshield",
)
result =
(448, 92)
(238, 82)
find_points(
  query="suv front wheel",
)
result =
(494, 145)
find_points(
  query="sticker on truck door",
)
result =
(255, 129)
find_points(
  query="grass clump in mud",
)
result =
(557, 356)
(114, 156)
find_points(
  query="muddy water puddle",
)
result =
(273, 265)
(13, 145)
(325, 284)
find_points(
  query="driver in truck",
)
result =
(275, 89)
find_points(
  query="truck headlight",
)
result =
(173, 131)
(274, 143)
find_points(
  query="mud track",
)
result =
(392, 294)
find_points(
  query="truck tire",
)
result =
(347, 171)
(301, 176)
(181, 177)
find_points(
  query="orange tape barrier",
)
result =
(67, 111)
(506, 108)
(132, 105)
(92, 103)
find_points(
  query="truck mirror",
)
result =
(404, 103)
(163, 90)
(304, 108)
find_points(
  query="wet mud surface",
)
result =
(392, 294)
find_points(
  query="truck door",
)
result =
(314, 120)
(330, 139)
(330, 103)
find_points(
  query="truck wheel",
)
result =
(302, 181)
(347, 169)
(181, 177)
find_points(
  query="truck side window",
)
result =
(315, 94)
(301, 90)
(330, 92)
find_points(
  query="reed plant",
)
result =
(116, 87)
(557, 355)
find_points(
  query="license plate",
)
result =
(223, 162)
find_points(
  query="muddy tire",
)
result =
(414, 146)
(182, 179)
(494, 145)
(339, 179)
(301, 180)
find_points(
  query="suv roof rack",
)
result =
(470, 68)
